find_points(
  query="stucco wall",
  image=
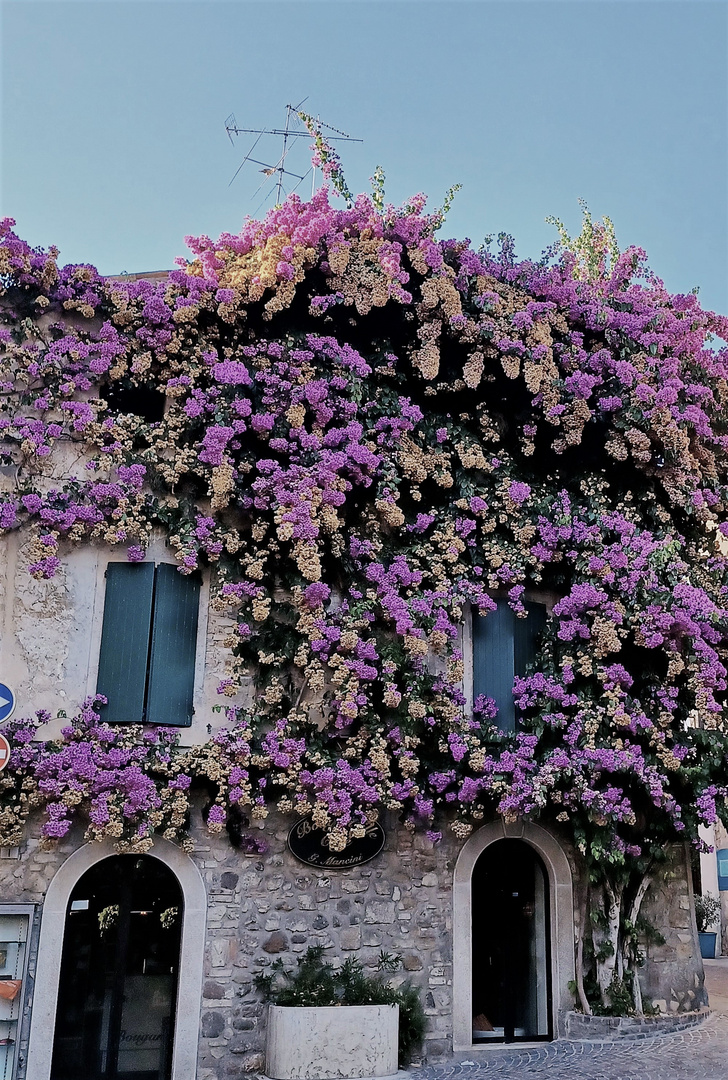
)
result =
(50, 635)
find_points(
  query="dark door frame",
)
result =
(503, 935)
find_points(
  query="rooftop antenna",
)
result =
(289, 133)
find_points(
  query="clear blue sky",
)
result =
(114, 148)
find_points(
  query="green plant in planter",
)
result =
(315, 982)
(707, 910)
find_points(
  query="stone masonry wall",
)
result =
(264, 906)
(673, 977)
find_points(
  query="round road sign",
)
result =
(4, 751)
(7, 702)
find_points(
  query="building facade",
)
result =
(185, 1004)
(448, 532)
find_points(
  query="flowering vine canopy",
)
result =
(371, 434)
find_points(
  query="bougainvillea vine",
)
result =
(371, 435)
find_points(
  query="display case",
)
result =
(15, 924)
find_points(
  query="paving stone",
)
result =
(699, 1052)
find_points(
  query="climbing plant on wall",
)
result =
(367, 432)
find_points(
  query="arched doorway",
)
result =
(511, 945)
(119, 972)
(559, 918)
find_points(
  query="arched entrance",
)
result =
(119, 971)
(46, 988)
(511, 946)
(551, 873)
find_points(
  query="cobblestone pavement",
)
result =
(697, 1053)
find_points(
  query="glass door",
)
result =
(511, 952)
(118, 983)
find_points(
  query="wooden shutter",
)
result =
(493, 661)
(125, 641)
(504, 646)
(174, 644)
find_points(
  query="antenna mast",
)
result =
(287, 134)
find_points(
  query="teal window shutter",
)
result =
(125, 634)
(174, 643)
(503, 647)
(493, 662)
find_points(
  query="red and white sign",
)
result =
(4, 752)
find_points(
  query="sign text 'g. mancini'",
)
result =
(310, 846)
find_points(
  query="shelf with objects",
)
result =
(14, 934)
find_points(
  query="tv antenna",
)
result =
(289, 133)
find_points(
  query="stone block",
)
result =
(212, 1025)
(253, 1008)
(240, 1044)
(249, 1063)
(436, 1049)
(354, 885)
(412, 962)
(222, 951)
(331, 1042)
(213, 990)
(351, 938)
(276, 943)
(379, 912)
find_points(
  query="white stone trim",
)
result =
(50, 949)
(561, 909)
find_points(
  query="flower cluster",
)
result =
(128, 783)
(369, 433)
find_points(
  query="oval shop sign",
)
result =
(310, 846)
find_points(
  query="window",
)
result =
(503, 646)
(148, 644)
(143, 401)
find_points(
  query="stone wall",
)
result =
(264, 906)
(261, 907)
(672, 977)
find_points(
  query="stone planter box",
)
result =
(606, 1028)
(331, 1042)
